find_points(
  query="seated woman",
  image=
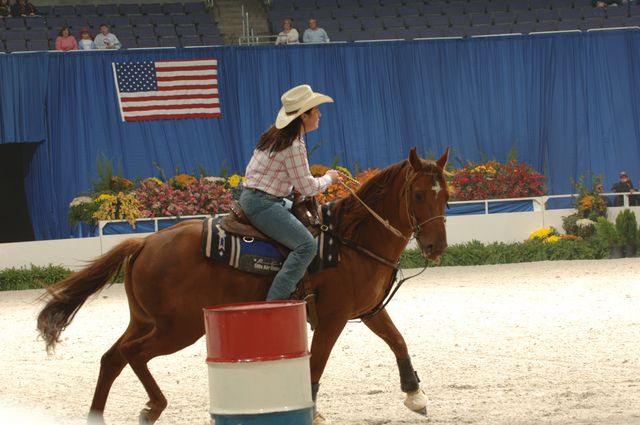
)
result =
(23, 8)
(65, 40)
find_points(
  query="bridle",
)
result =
(409, 177)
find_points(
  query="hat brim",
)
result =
(283, 119)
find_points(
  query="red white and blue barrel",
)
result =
(258, 364)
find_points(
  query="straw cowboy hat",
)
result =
(296, 102)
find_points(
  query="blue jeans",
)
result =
(268, 214)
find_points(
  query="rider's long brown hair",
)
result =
(276, 140)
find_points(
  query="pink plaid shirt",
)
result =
(278, 173)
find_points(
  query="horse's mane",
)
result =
(349, 213)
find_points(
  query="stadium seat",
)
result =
(524, 27)
(169, 42)
(481, 20)
(171, 8)
(86, 9)
(408, 11)
(16, 45)
(194, 7)
(148, 42)
(475, 7)
(460, 20)
(124, 31)
(386, 11)
(371, 24)
(107, 9)
(518, 5)
(362, 36)
(349, 4)
(36, 22)
(342, 13)
(438, 21)
(501, 29)
(526, 16)
(432, 10)
(455, 31)
(151, 9)
(478, 30)
(497, 6)
(141, 21)
(569, 14)
(548, 15)
(15, 34)
(546, 26)
(45, 10)
(117, 21)
(388, 34)
(208, 30)
(503, 18)
(158, 20)
(617, 12)
(129, 9)
(415, 21)
(15, 23)
(349, 24)
(326, 4)
(431, 33)
(568, 25)
(144, 32)
(211, 40)
(190, 40)
(393, 22)
(166, 31)
(591, 23)
(593, 12)
(540, 4)
(76, 22)
(340, 36)
(38, 44)
(618, 22)
(409, 33)
(65, 10)
(186, 30)
(182, 20)
(36, 34)
(128, 42)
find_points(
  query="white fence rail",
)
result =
(486, 227)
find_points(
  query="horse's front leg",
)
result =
(382, 325)
(324, 338)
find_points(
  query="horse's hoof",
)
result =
(95, 418)
(417, 402)
(318, 419)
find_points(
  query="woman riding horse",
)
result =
(168, 283)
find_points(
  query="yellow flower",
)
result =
(344, 170)
(182, 180)
(154, 180)
(318, 170)
(552, 239)
(235, 180)
(104, 197)
(542, 233)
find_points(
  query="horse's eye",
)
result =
(418, 196)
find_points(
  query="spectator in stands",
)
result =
(23, 8)
(605, 3)
(623, 185)
(288, 35)
(65, 41)
(105, 39)
(5, 9)
(313, 34)
(85, 43)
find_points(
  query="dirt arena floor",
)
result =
(534, 343)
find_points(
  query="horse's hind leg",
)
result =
(140, 351)
(382, 325)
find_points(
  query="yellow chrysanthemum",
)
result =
(104, 197)
(552, 239)
(155, 180)
(542, 233)
(235, 180)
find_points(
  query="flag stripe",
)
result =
(177, 116)
(209, 69)
(167, 89)
(174, 97)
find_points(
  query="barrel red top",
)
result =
(257, 331)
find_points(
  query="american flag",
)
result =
(161, 90)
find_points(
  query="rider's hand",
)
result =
(335, 176)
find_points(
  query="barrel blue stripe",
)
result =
(294, 417)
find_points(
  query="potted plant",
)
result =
(607, 234)
(627, 228)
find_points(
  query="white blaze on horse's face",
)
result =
(436, 187)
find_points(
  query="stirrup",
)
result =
(312, 312)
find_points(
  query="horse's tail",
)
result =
(68, 295)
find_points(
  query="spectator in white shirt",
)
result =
(279, 163)
(106, 40)
(288, 35)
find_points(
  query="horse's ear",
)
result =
(415, 160)
(442, 162)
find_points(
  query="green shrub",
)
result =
(627, 226)
(477, 253)
(33, 278)
(606, 232)
(577, 225)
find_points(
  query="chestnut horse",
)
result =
(168, 282)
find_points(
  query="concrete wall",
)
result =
(504, 227)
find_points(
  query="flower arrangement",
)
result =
(493, 180)
(589, 203)
(337, 190)
(543, 233)
(118, 207)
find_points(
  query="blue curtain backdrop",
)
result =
(567, 103)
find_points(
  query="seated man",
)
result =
(623, 185)
(313, 34)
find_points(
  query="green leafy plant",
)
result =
(606, 232)
(32, 278)
(575, 224)
(627, 226)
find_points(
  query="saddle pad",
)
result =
(257, 256)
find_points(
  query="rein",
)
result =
(415, 227)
